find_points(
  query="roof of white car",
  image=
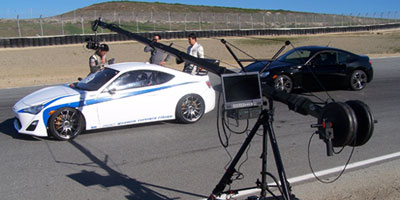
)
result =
(128, 66)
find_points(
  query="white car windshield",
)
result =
(94, 81)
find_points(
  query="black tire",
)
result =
(284, 83)
(358, 80)
(190, 109)
(66, 123)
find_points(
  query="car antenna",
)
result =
(328, 44)
(275, 56)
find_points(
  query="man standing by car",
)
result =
(196, 50)
(157, 56)
(98, 59)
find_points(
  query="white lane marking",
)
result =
(323, 172)
(385, 57)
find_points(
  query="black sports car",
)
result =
(316, 68)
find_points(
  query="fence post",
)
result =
(226, 21)
(62, 25)
(263, 20)
(185, 22)
(251, 19)
(41, 26)
(214, 21)
(200, 21)
(137, 24)
(169, 20)
(119, 19)
(238, 21)
(19, 28)
(285, 22)
(83, 27)
(154, 22)
(334, 20)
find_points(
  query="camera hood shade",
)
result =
(365, 122)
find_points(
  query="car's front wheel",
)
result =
(358, 80)
(66, 123)
(284, 83)
(190, 108)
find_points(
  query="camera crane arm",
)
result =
(296, 103)
(172, 51)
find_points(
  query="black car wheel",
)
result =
(66, 123)
(358, 80)
(190, 109)
(284, 83)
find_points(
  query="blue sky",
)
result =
(387, 8)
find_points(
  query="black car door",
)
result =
(327, 70)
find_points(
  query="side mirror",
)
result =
(111, 61)
(309, 63)
(79, 78)
(110, 90)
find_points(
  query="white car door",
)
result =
(131, 98)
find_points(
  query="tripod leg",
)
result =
(226, 178)
(278, 160)
(264, 183)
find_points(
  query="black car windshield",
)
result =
(94, 81)
(296, 56)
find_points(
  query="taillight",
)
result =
(208, 84)
(370, 62)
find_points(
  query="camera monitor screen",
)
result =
(241, 90)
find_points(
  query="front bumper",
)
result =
(29, 124)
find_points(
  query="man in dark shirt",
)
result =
(157, 55)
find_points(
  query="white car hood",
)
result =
(47, 94)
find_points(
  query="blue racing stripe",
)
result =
(83, 102)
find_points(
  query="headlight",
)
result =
(33, 109)
(264, 74)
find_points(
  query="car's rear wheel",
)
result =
(358, 80)
(66, 123)
(190, 109)
(284, 83)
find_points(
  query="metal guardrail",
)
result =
(78, 39)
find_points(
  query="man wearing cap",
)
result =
(98, 59)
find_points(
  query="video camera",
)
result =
(92, 43)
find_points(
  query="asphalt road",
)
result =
(174, 161)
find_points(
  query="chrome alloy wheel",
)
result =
(192, 108)
(284, 83)
(358, 80)
(66, 123)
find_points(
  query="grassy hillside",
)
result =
(145, 17)
(162, 7)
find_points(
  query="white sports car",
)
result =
(121, 94)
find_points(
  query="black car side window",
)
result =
(326, 58)
(345, 58)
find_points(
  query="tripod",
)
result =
(265, 119)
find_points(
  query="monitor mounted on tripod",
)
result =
(241, 90)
